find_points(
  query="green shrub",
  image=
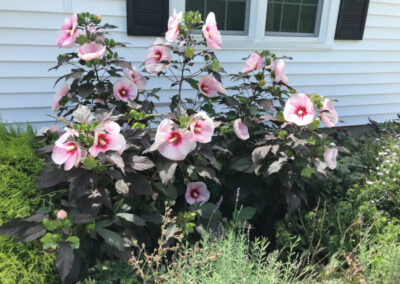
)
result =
(20, 262)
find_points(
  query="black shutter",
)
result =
(351, 20)
(147, 17)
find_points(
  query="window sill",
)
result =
(273, 42)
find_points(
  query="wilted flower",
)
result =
(209, 87)
(91, 51)
(197, 192)
(157, 57)
(240, 129)
(173, 26)
(62, 214)
(52, 129)
(107, 137)
(172, 143)
(330, 155)
(62, 92)
(328, 114)
(211, 33)
(299, 110)
(278, 66)
(255, 61)
(99, 34)
(68, 34)
(125, 89)
(137, 78)
(202, 127)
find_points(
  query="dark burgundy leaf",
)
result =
(209, 155)
(80, 179)
(82, 114)
(116, 159)
(122, 187)
(33, 233)
(260, 153)
(64, 260)
(141, 163)
(266, 104)
(277, 165)
(167, 171)
(50, 177)
(111, 238)
(242, 164)
(207, 172)
(140, 184)
(84, 218)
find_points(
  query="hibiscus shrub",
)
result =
(119, 162)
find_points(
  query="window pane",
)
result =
(231, 15)
(274, 17)
(293, 16)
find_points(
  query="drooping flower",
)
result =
(299, 110)
(68, 153)
(278, 66)
(62, 214)
(172, 142)
(173, 26)
(211, 33)
(209, 87)
(106, 138)
(202, 127)
(67, 35)
(137, 78)
(240, 129)
(99, 34)
(254, 62)
(62, 92)
(90, 51)
(157, 57)
(330, 155)
(125, 89)
(52, 129)
(196, 192)
(328, 114)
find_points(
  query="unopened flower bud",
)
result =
(62, 215)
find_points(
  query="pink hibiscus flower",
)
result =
(107, 138)
(125, 89)
(240, 129)
(254, 62)
(157, 57)
(68, 153)
(328, 114)
(68, 34)
(173, 26)
(209, 87)
(91, 51)
(62, 92)
(137, 78)
(299, 110)
(330, 155)
(62, 214)
(202, 127)
(211, 33)
(278, 66)
(196, 192)
(173, 144)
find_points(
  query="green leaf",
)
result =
(209, 210)
(111, 238)
(307, 172)
(189, 52)
(315, 124)
(246, 213)
(132, 218)
(50, 241)
(215, 66)
(74, 241)
(90, 163)
(193, 83)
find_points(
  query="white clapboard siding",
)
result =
(363, 76)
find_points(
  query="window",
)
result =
(293, 17)
(232, 15)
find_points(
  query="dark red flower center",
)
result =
(195, 193)
(71, 147)
(157, 55)
(102, 140)
(175, 138)
(123, 92)
(301, 111)
(197, 128)
(204, 88)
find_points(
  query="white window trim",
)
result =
(256, 38)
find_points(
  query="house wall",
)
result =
(363, 75)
